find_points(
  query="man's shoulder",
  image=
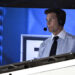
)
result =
(68, 35)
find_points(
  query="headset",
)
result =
(61, 16)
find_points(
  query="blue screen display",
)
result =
(17, 21)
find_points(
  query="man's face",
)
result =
(52, 22)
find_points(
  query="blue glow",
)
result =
(1, 28)
(70, 21)
(0, 60)
(1, 48)
(2, 9)
(1, 17)
(1, 37)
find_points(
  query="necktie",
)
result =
(54, 46)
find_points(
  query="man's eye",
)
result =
(50, 19)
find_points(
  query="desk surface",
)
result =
(40, 65)
(43, 68)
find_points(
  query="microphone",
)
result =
(45, 28)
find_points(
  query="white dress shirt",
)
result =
(66, 44)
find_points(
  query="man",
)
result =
(60, 42)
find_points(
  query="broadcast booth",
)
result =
(22, 30)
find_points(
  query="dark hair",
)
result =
(61, 15)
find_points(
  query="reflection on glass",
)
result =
(18, 22)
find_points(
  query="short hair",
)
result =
(61, 15)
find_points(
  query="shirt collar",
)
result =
(61, 34)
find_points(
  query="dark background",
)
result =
(39, 3)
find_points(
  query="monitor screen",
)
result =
(22, 32)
